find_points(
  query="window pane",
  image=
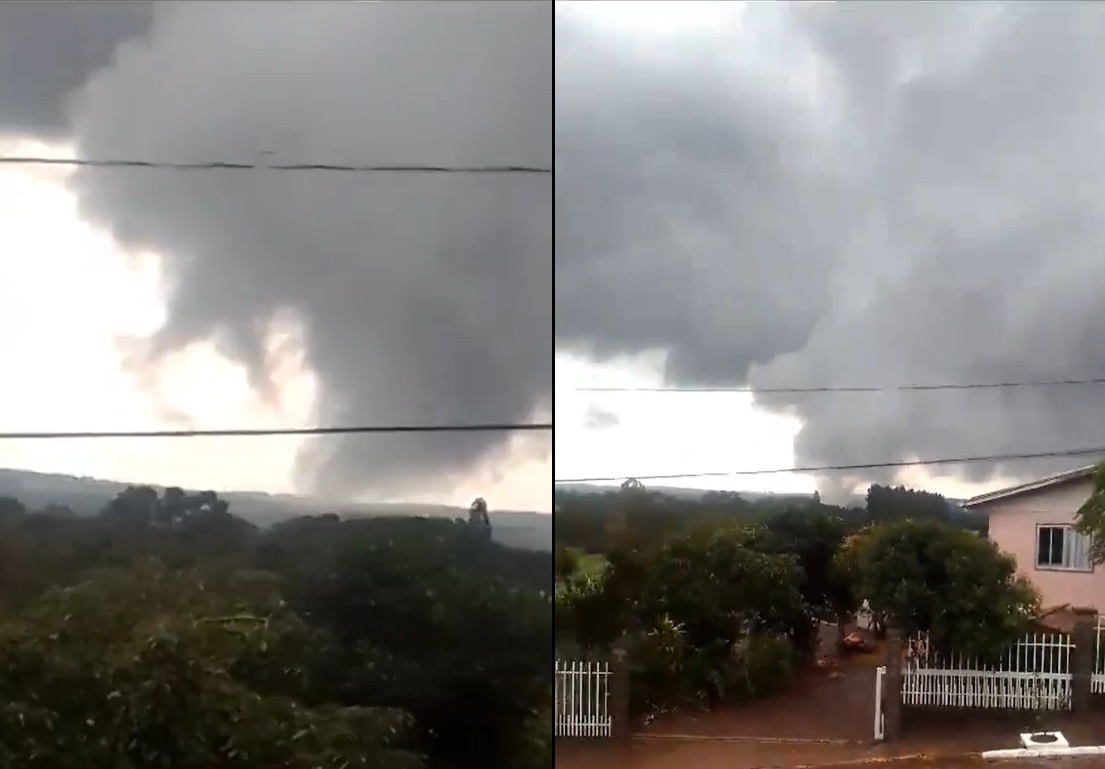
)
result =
(1043, 540)
(1080, 550)
(1057, 542)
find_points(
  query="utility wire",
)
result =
(867, 389)
(237, 166)
(864, 466)
(246, 432)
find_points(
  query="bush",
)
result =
(587, 613)
(696, 599)
(566, 563)
(759, 666)
(658, 673)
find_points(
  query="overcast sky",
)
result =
(783, 195)
(848, 194)
(138, 300)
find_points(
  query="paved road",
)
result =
(1086, 762)
(737, 755)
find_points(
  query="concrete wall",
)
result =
(1013, 523)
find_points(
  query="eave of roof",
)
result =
(1031, 486)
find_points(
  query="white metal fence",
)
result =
(1034, 674)
(1097, 678)
(581, 693)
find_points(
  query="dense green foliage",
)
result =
(955, 586)
(718, 599)
(1091, 516)
(165, 632)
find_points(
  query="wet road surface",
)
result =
(1081, 762)
(720, 755)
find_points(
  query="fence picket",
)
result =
(1033, 675)
(1097, 679)
(581, 692)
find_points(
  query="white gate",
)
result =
(580, 694)
(880, 719)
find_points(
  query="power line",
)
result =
(239, 166)
(247, 432)
(864, 466)
(863, 389)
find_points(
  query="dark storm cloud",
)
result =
(421, 299)
(882, 194)
(48, 50)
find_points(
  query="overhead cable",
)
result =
(261, 432)
(1100, 451)
(221, 165)
(852, 389)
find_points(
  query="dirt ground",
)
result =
(950, 741)
(829, 705)
(714, 754)
(834, 702)
(827, 718)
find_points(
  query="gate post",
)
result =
(892, 685)
(880, 674)
(620, 726)
(1084, 638)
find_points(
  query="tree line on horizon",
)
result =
(167, 632)
(585, 520)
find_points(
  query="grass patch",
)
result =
(592, 564)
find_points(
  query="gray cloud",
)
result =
(854, 194)
(420, 299)
(598, 418)
(48, 50)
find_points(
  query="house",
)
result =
(1034, 522)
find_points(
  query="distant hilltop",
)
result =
(86, 496)
(684, 493)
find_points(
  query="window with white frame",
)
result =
(1061, 547)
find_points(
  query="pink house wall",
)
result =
(1013, 524)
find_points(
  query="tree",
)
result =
(335, 633)
(566, 563)
(712, 604)
(442, 623)
(155, 669)
(477, 516)
(206, 502)
(139, 507)
(11, 510)
(927, 577)
(589, 614)
(135, 506)
(1091, 516)
(537, 750)
(171, 507)
(816, 538)
(888, 503)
